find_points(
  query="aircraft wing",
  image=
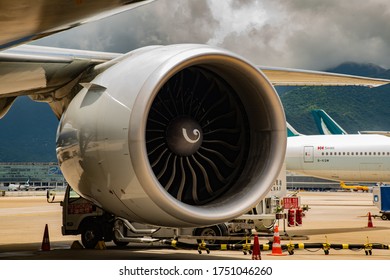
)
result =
(297, 77)
(30, 69)
(37, 71)
(385, 133)
(23, 21)
(40, 71)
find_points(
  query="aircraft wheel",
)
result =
(384, 217)
(265, 225)
(91, 234)
(217, 230)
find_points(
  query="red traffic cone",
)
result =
(46, 241)
(276, 247)
(369, 225)
(256, 255)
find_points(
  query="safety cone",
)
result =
(46, 242)
(370, 225)
(256, 255)
(276, 247)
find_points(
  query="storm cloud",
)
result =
(289, 33)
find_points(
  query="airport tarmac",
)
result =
(333, 217)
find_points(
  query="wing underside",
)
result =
(24, 21)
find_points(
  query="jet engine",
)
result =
(179, 136)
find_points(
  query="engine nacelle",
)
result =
(180, 135)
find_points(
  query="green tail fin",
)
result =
(291, 131)
(325, 124)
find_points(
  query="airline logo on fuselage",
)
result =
(322, 148)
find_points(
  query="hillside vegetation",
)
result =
(354, 108)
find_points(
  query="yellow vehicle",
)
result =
(355, 188)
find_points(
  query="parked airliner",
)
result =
(351, 157)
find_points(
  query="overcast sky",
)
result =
(288, 33)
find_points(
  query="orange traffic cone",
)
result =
(276, 247)
(256, 255)
(46, 241)
(369, 225)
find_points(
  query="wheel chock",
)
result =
(76, 245)
(101, 245)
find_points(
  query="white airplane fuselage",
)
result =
(359, 158)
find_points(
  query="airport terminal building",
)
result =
(297, 182)
(35, 173)
(42, 174)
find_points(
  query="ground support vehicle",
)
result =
(381, 197)
(81, 216)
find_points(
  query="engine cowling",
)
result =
(180, 135)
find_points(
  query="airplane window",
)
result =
(331, 153)
(322, 153)
(352, 153)
(369, 153)
(365, 153)
(343, 153)
(374, 153)
(326, 153)
(347, 153)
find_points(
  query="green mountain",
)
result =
(28, 132)
(354, 108)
